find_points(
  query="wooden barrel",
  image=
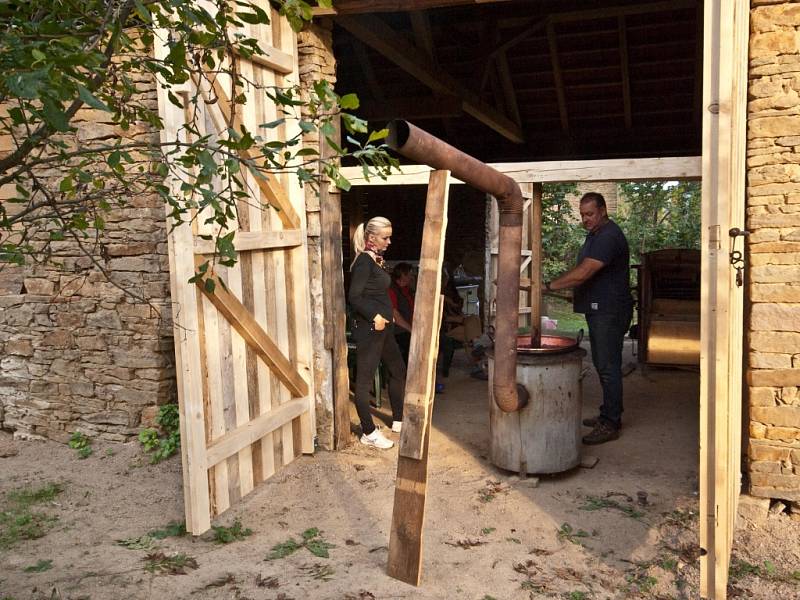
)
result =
(545, 436)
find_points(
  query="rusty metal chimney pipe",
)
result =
(421, 147)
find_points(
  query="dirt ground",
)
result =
(488, 533)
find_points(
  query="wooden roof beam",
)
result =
(374, 86)
(537, 24)
(354, 7)
(378, 35)
(559, 82)
(428, 107)
(625, 71)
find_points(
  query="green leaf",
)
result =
(377, 135)
(38, 55)
(209, 285)
(54, 114)
(66, 185)
(91, 100)
(342, 183)
(349, 102)
(319, 548)
(354, 124)
(283, 549)
(325, 3)
(40, 567)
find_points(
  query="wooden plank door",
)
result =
(528, 269)
(724, 130)
(243, 352)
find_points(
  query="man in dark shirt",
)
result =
(602, 293)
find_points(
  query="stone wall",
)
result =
(315, 55)
(77, 353)
(609, 189)
(773, 217)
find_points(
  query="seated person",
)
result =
(402, 298)
(456, 326)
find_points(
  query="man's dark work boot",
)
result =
(603, 432)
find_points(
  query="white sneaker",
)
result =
(397, 426)
(377, 440)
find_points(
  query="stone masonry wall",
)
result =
(316, 62)
(76, 353)
(773, 217)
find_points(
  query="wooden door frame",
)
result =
(725, 41)
(529, 172)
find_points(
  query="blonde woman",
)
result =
(373, 329)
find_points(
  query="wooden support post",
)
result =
(405, 541)
(535, 227)
(410, 494)
(425, 329)
(333, 287)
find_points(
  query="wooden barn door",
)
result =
(724, 130)
(243, 352)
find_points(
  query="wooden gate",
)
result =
(243, 352)
(721, 329)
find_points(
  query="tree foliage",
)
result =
(562, 234)
(67, 61)
(656, 215)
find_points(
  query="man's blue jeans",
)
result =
(606, 334)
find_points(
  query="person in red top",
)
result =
(402, 305)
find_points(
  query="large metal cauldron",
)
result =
(545, 435)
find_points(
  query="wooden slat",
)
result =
(625, 70)
(301, 349)
(425, 329)
(235, 312)
(344, 7)
(270, 188)
(625, 169)
(535, 224)
(255, 240)
(378, 35)
(410, 495)
(557, 77)
(272, 58)
(724, 128)
(507, 84)
(191, 399)
(254, 430)
(220, 499)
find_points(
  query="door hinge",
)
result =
(713, 237)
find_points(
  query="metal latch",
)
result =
(736, 256)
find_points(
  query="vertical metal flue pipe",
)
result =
(421, 147)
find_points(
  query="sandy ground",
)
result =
(488, 533)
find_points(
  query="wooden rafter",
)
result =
(378, 35)
(364, 62)
(625, 70)
(557, 77)
(507, 85)
(350, 7)
(539, 23)
(428, 107)
(421, 25)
